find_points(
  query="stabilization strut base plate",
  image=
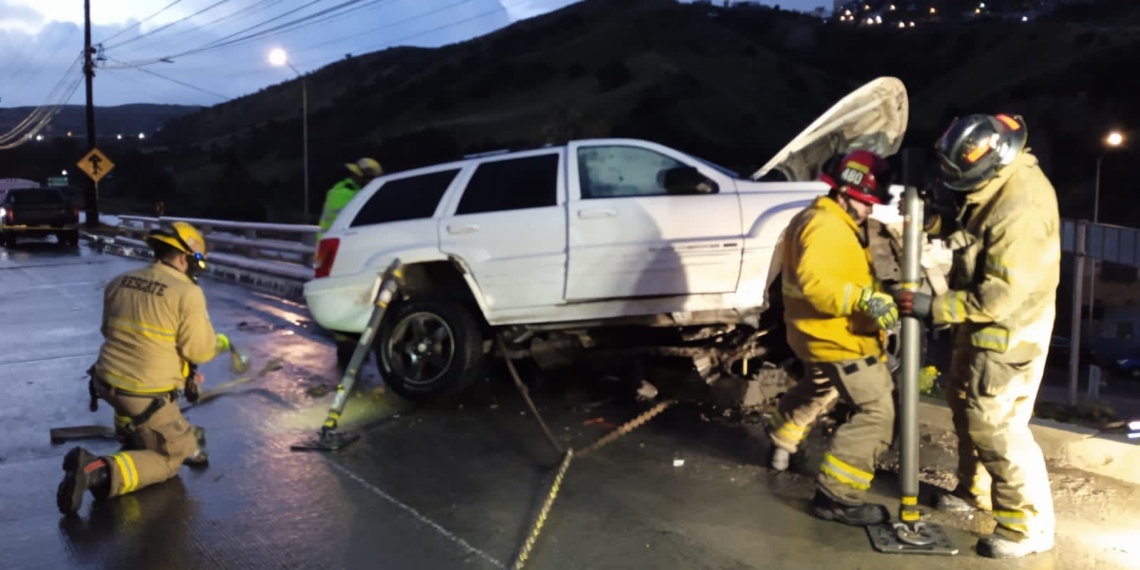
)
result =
(922, 538)
(326, 441)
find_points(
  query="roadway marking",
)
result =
(419, 516)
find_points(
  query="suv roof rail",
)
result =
(488, 153)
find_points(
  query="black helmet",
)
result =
(976, 147)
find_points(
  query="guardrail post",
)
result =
(309, 239)
(250, 251)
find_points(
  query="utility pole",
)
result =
(91, 195)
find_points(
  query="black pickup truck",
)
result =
(38, 212)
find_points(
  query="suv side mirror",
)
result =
(686, 180)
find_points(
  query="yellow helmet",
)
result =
(185, 238)
(365, 167)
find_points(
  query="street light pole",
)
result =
(278, 57)
(305, 135)
(1092, 260)
(1113, 140)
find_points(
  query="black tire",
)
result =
(459, 349)
(70, 238)
(9, 239)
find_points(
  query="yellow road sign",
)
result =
(95, 164)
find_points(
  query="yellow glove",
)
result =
(223, 342)
(879, 306)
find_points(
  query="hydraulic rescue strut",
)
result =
(329, 438)
(911, 535)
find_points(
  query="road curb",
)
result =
(1087, 449)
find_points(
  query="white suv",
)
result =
(559, 246)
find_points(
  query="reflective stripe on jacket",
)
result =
(825, 268)
(1007, 261)
(154, 322)
(335, 200)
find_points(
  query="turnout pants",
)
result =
(849, 463)
(167, 439)
(991, 396)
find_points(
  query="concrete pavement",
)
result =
(427, 488)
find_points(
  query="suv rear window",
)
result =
(513, 184)
(44, 196)
(412, 198)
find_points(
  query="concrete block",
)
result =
(1079, 447)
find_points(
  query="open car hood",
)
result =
(873, 117)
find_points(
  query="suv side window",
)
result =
(622, 171)
(412, 198)
(514, 184)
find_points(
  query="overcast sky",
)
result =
(41, 39)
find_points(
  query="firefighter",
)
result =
(1001, 306)
(155, 328)
(361, 173)
(836, 314)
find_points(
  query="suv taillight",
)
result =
(326, 255)
(10, 215)
(75, 213)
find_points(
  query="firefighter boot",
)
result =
(865, 514)
(962, 500)
(83, 471)
(779, 458)
(1001, 546)
(199, 458)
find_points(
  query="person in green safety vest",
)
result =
(363, 171)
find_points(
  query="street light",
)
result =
(278, 58)
(1113, 140)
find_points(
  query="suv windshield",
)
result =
(37, 196)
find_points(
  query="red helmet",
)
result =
(861, 175)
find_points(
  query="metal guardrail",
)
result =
(280, 250)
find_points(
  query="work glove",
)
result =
(879, 306)
(914, 303)
(223, 342)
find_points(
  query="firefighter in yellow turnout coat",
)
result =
(835, 314)
(1001, 304)
(154, 326)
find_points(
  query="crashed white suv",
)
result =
(581, 246)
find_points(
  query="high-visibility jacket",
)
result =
(154, 325)
(335, 200)
(1007, 261)
(825, 268)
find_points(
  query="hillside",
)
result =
(135, 118)
(732, 85)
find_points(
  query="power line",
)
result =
(180, 82)
(140, 22)
(165, 26)
(42, 115)
(248, 10)
(385, 27)
(232, 39)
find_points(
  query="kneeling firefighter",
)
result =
(155, 329)
(836, 313)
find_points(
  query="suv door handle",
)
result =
(597, 213)
(464, 229)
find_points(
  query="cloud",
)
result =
(19, 17)
(523, 9)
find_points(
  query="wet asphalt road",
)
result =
(426, 488)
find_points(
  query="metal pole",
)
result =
(305, 136)
(1092, 262)
(91, 193)
(1078, 285)
(911, 344)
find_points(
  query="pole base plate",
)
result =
(326, 441)
(62, 434)
(921, 538)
